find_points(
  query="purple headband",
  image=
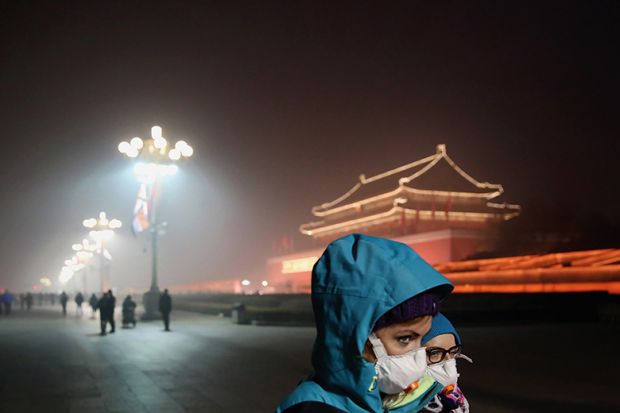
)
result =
(417, 306)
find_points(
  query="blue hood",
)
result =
(357, 280)
(441, 325)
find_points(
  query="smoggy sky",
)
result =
(285, 105)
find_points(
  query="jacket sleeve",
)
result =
(312, 407)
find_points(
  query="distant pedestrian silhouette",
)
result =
(165, 307)
(79, 299)
(7, 301)
(22, 301)
(28, 301)
(129, 311)
(63, 302)
(93, 304)
(106, 312)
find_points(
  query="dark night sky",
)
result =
(285, 105)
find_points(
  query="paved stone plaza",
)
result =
(206, 364)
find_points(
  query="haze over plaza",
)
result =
(285, 107)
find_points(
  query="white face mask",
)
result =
(396, 373)
(444, 372)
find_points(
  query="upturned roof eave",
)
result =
(312, 228)
(430, 161)
(404, 189)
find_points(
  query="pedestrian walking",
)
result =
(373, 301)
(79, 299)
(29, 300)
(165, 307)
(22, 301)
(102, 307)
(63, 302)
(110, 311)
(93, 304)
(7, 301)
(107, 303)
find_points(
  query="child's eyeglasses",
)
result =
(436, 355)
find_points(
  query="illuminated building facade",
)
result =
(430, 194)
(431, 204)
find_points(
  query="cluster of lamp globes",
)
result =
(155, 154)
(157, 145)
(102, 230)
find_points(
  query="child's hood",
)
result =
(441, 325)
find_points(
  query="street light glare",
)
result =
(123, 147)
(84, 255)
(150, 171)
(156, 132)
(184, 148)
(66, 274)
(103, 219)
(144, 169)
(89, 223)
(160, 143)
(115, 223)
(174, 154)
(137, 143)
(187, 151)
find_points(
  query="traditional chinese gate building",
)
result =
(431, 204)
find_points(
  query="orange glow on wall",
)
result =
(298, 265)
(611, 287)
(577, 271)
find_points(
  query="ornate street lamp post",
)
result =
(84, 252)
(156, 160)
(102, 231)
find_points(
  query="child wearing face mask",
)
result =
(373, 301)
(443, 346)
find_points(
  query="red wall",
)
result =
(434, 247)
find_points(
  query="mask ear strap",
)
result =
(377, 346)
(463, 356)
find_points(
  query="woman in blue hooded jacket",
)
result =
(373, 301)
